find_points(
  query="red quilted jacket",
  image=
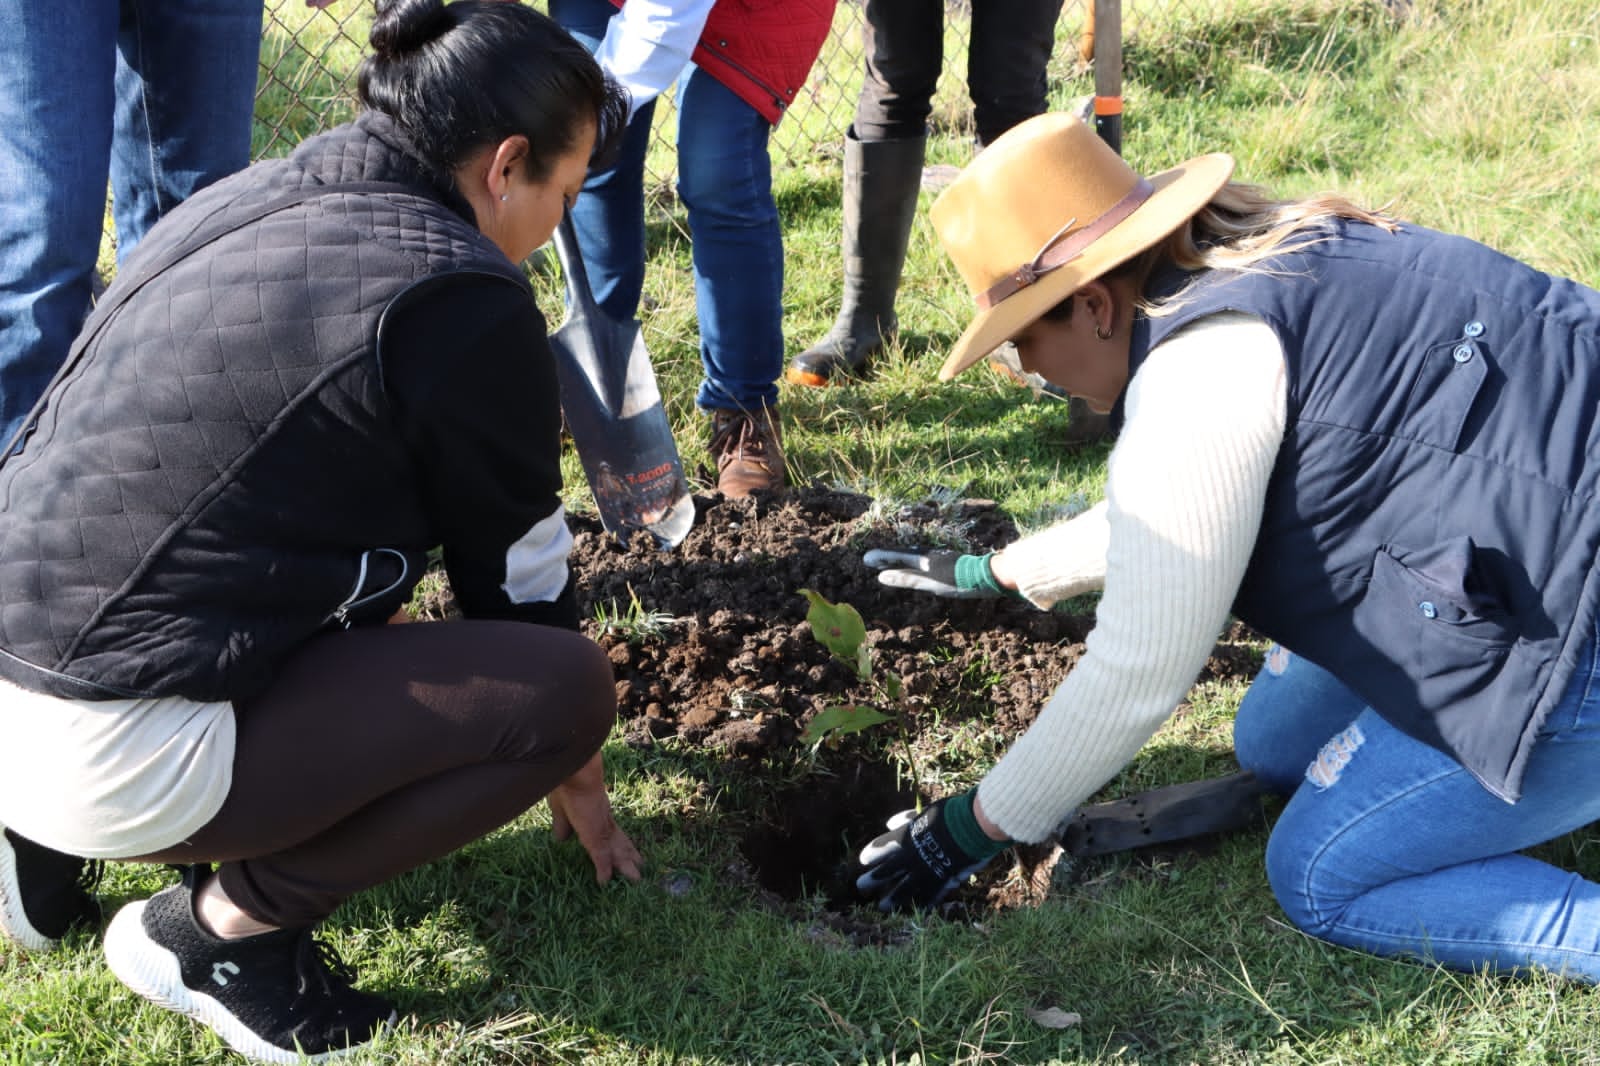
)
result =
(763, 49)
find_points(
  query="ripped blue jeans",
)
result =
(1389, 846)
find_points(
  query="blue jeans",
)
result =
(725, 182)
(1389, 846)
(154, 96)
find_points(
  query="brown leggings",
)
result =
(378, 750)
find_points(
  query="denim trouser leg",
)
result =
(1389, 846)
(725, 181)
(609, 220)
(186, 83)
(609, 215)
(1290, 711)
(55, 144)
(64, 64)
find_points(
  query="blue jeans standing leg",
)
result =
(609, 215)
(155, 97)
(186, 85)
(725, 181)
(1388, 846)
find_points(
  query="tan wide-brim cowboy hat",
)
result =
(1047, 208)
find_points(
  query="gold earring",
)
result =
(1104, 335)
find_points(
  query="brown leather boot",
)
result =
(748, 448)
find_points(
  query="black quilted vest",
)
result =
(216, 474)
(1432, 523)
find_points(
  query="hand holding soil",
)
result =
(580, 805)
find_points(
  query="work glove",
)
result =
(944, 573)
(925, 857)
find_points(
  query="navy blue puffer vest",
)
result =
(1431, 527)
(217, 469)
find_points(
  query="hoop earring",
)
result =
(1104, 335)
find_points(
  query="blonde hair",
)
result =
(1239, 228)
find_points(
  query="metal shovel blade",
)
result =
(614, 413)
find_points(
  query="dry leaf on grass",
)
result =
(1055, 1018)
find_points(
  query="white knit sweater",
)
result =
(1185, 487)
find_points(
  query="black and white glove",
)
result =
(944, 573)
(925, 857)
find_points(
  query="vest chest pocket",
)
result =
(1448, 382)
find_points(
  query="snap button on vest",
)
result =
(1428, 609)
(1473, 328)
(1463, 352)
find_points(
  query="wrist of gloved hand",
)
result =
(926, 856)
(975, 572)
(943, 573)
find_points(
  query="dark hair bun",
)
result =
(402, 26)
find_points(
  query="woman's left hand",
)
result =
(580, 805)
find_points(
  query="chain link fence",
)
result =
(309, 58)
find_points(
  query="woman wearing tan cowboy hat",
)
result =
(1378, 445)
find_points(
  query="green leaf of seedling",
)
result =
(837, 627)
(841, 720)
(864, 662)
(891, 685)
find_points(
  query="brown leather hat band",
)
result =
(1063, 247)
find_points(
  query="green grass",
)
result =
(1472, 115)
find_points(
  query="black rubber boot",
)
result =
(881, 181)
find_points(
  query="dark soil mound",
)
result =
(739, 669)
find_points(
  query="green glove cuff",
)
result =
(974, 572)
(965, 830)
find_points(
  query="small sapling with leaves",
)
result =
(838, 627)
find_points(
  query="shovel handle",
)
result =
(579, 294)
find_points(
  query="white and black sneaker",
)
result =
(278, 997)
(43, 893)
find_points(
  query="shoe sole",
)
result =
(841, 374)
(153, 972)
(809, 379)
(13, 919)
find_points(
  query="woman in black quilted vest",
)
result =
(308, 378)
